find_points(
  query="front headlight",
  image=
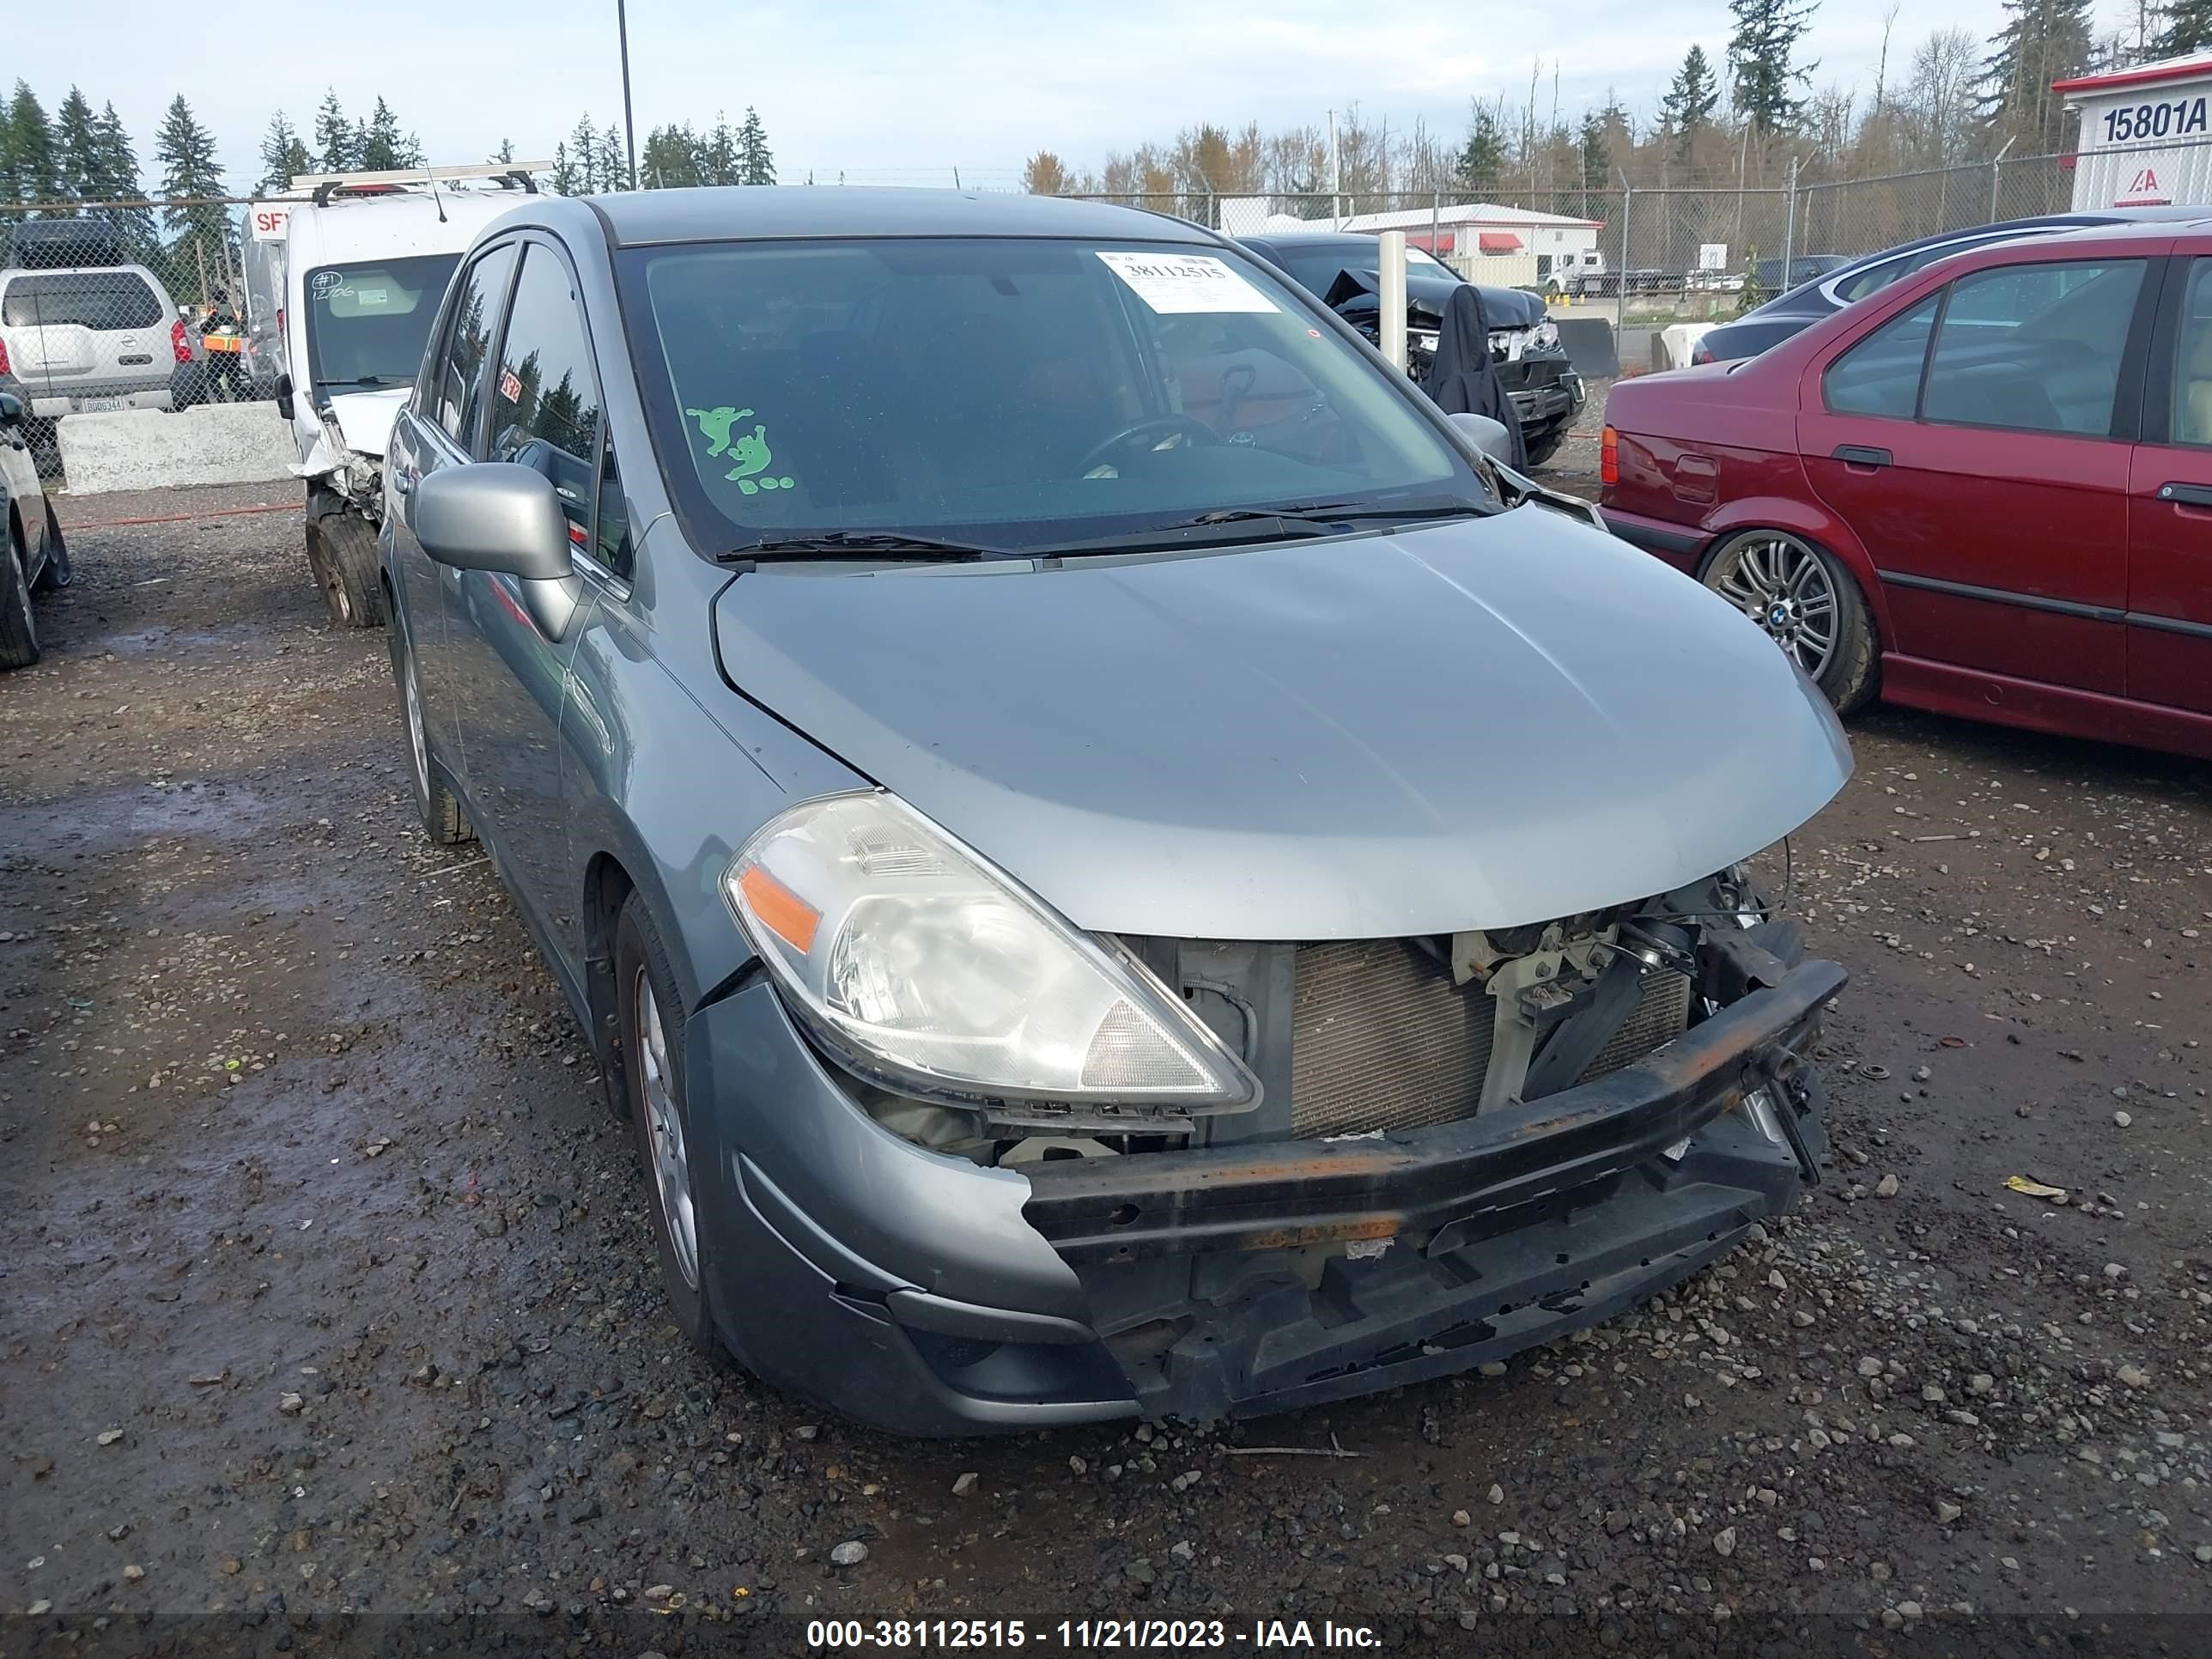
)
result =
(930, 972)
(1547, 333)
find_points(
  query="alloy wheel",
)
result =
(671, 1172)
(1783, 585)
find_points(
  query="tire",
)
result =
(1775, 578)
(649, 1036)
(18, 634)
(443, 820)
(341, 552)
(46, 446)
(1542, 445)
(188, 386)
(57, 573)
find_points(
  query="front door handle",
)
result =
(1862, 455)
(2186, 494)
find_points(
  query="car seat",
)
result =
(2196, 388)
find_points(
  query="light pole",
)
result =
(629, 128)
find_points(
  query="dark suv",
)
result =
(1524, 344)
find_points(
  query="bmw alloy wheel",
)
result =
(1784, 585)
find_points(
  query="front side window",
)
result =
(368, 322)
(1881, 375)
(2192, 378)
(102, 301)
(458, 394)
(2034, 348)
(545, 401)
(1016, 392)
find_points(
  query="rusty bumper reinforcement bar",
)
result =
(1283, 1194)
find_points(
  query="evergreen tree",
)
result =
(76, 148)
(503, 154)
(383, 149)
(334, 145)
(283, 157)
(1482, 159)
(119, 181)
(2187, 27)
(1764, 78)
(718, 159)
(584, 157)
(755, 163)
(1690, 101)
(2042, 41)
(27, 152)
(567, 180)
(1596, 152)
(190, 176)
(672, 159)
(613, 164)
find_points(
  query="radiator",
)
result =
(1382, 1038)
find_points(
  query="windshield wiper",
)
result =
(1334, 512)
(860, 544)
(371, 380)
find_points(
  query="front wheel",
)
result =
(18, 632)
(1544, 443)
(650, 1020)
(341, 552)
(1808, 604)
(443, 820)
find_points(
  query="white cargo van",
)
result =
(360, 264)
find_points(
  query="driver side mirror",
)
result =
(1484, 436)
(11, 410)
(505, 519)
(284, 396)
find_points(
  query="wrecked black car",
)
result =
(1524, 344)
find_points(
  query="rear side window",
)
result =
(2034, 348)
(2193, 379)
(457, 393)
(103, 301)
(1881, 375)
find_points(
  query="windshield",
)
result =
(1316, 268)
(368, 324)
(1019, 393)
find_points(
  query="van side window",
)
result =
(458, 393)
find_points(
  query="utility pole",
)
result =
(1335, 179)
(629, 122)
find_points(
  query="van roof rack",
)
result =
(510, 175)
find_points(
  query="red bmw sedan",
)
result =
(1986, 491)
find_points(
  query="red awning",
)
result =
(1498, 241)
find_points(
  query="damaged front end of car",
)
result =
(1460, 1147)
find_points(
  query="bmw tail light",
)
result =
(1701, 353)
(179, 343)
(1608, 457)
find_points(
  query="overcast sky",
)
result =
(887, 93)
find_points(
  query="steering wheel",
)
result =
(1160, 432)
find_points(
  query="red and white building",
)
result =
(2146, 134)
(1504, 245)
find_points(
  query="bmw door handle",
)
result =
(1865, 455)
(2186, 494)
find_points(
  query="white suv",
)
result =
(82, 339)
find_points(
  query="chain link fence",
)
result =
(129, 305)
(1710, 248)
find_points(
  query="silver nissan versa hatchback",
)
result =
(1119, 866)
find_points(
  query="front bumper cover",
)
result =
(907, 1289)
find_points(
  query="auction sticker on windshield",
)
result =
(1186, 282)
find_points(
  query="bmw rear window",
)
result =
(98, 300)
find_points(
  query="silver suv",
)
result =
(82, 339)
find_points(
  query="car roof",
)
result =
(2128, 234)
(639, 218)
(393, 227)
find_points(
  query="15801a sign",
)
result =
(2174, 118)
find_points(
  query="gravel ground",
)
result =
(329, 1290)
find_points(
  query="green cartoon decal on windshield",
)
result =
(749, 449)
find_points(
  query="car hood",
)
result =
(1428, 296)
(1468, 724)
(366, 417)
